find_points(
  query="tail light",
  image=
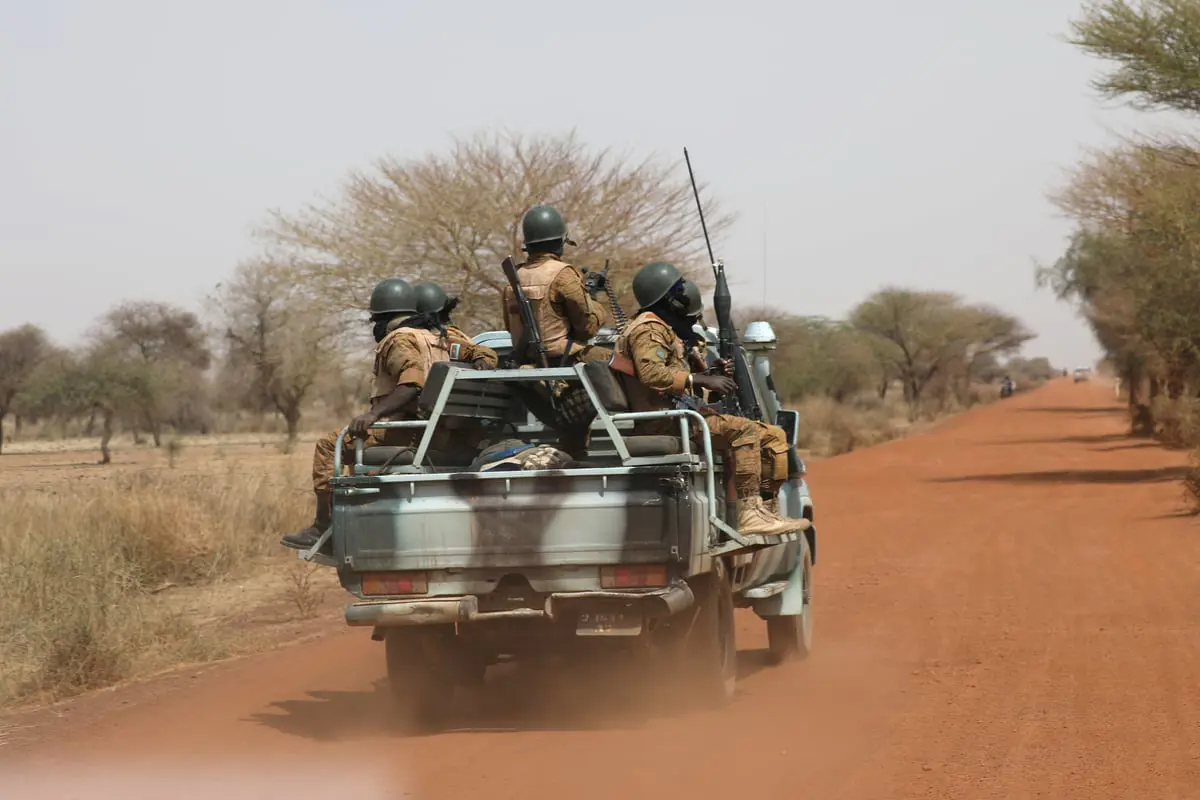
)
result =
(633, 576)
(375, 584)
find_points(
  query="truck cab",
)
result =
(456, 566)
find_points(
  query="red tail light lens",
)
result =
(633, 576)
(375, 584)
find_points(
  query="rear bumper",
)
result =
(453, 610)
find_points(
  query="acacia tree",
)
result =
(920, 336)
(21, 350)
(1155, 45)
(277, 336)
(97, 380)
(169, 346)
(453, 218)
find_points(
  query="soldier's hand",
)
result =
(360, 425)
(714, 383)
(723, 366)
(481, 365)
(594, 282)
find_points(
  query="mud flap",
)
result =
(790, 601)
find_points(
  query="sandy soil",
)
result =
(1007, 607)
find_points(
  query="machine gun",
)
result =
(743, 403)
(531, 335)
(613, 303)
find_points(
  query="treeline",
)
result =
(287, 333)
(1133, 263)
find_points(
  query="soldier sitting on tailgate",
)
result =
(774, 444)
(654, 345)
(411, 336)
(566, 314)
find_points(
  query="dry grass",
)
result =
(1191, 483)
(83, 563)
(828, 428)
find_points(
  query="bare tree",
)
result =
(21, 349)
(169, 345)
(276, 335)
(453, 218)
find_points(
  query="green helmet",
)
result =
(653, 282)
(429, 297)
(393, 296)
(543, 224)
(695, 303)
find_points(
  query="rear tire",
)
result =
(422, 688)
(790, 638)
(710, 653)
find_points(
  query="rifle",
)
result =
(531, 334)
(613, 303)
(744, 403)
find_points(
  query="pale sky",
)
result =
(895, 142)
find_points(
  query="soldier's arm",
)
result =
(401, 362)
(478, 355)
(584, 316)
(650, 346)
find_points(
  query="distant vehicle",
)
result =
(1007, 388)
(1082, 374)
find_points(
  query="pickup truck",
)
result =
(456, 569)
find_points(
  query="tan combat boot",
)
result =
(754, 519)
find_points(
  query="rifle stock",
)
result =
(531, 335)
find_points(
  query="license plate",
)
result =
(608, 623)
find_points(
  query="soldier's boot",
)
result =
(305, 539)
(754, 518)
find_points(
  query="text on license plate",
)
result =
(608, 623)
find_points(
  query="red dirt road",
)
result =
(1006, 607)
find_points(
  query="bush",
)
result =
(77, 569)
(1176, 422)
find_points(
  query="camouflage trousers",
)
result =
(572, 412)
(774, 448)
(729, 433)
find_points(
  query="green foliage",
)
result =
(1155, 45)
(918, 337)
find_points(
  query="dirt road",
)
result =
(1007, 607)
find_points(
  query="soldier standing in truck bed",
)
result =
(654, 344)
(412, 334)
(567, 316)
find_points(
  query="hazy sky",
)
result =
(889, 142)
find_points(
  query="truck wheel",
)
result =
(711, 652)
(421, 690)
(791, 637)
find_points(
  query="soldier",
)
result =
(562, 301)
(654, 345)
(774, 444)
(408, 323)
(567, 316)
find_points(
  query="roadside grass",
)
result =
(829, 428)
(83, 568)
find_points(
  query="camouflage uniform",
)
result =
(404, 357)
(566, 317)
(772, 439)
(662, 369)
